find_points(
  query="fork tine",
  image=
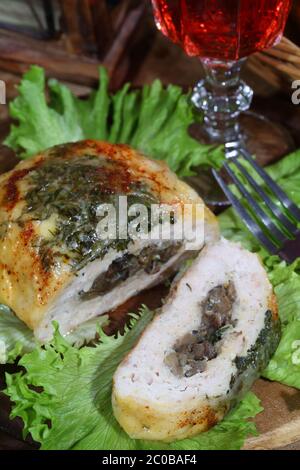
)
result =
(291, 227)
(252, 225)
(279, 193)
(274, 230)
(252, 202)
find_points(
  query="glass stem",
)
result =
(222, 96)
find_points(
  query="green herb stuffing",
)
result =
(264, 347)
(84, 420)
(72, 191)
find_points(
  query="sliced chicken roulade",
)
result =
(55, 263)
(217, 330)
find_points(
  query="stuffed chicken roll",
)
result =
(65, 250)
(214, 335)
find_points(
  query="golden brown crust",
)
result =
(165, 424)
(273, 306)
(25, 286)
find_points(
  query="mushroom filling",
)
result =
(150, 260)
(191, 352)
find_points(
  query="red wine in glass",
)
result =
(222, 33)
(222, 29)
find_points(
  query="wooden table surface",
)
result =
(279, 424)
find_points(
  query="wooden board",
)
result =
(279, 423)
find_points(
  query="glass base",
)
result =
(267, 140)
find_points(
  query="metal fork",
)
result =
(281, 239)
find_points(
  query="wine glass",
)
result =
(222, 33)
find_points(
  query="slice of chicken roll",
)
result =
(203, 350)
(54, 262)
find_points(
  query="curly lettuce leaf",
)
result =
(16, 339)
(284, 367)
(154, 120)
(39, 124)
(74, 394)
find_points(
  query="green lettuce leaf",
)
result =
(74, 393)
(39, 126)
(16, 339)
(285, 364)
(154, 120)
